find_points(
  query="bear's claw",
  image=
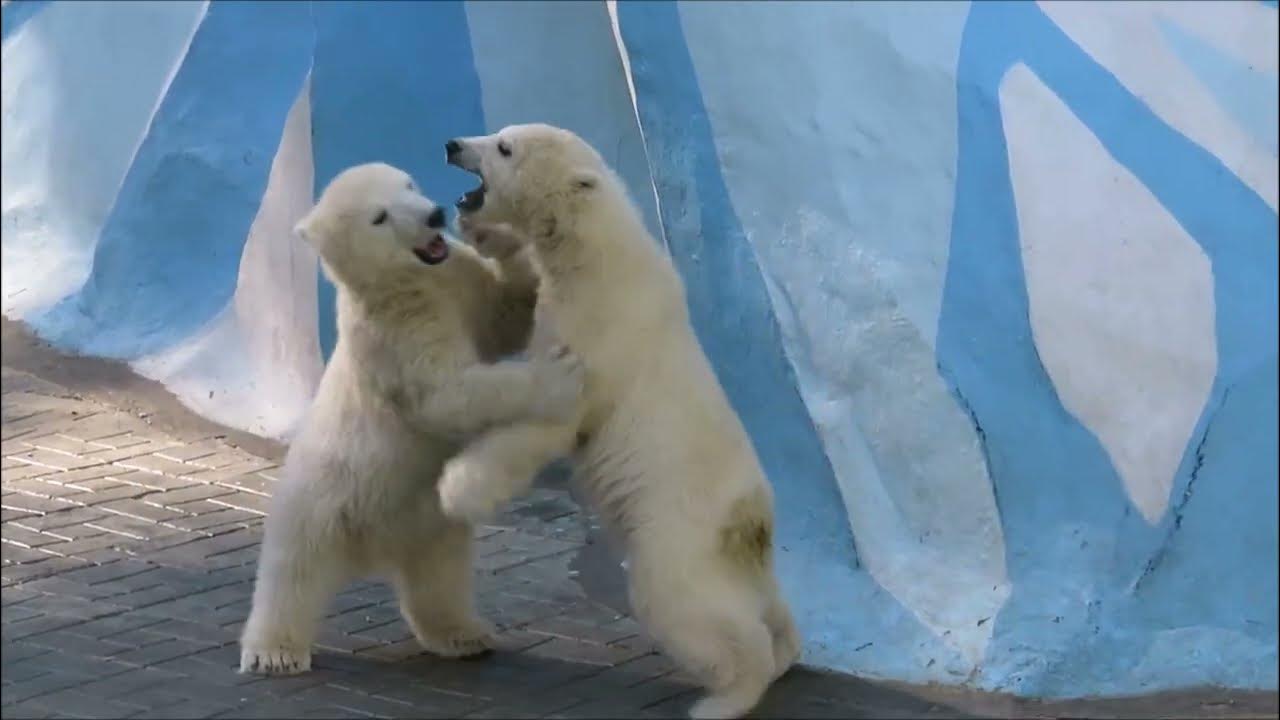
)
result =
(274, 661)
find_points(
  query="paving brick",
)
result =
(131, 682)
(104, 490)
(66, 522)
(66, 641)
(157, 653)
(227, 457)
(13, 553)
(364, 618)
(25, 471)
(256, 504)
(334, 641)
(187, 709)
(134, 434)
(57, 442)
(178, 497)
(524, 706)
(30, 709)
(78, 704)
(21, 673)
(14, 613)
(194, 451)
(6, 463)
(15, 533)
(129, 449)
(86, 547)
(7, 514)
(21, 500)
(43, 568)
(155, 463)
(69, 606)
(224, 516)
(394, 631)
(249, 482)
(133, 527)
(134, 508)
(61, 423)
(54, 459)
(99, 427)
(591, 654)
(155, 482)
(197, 551)
(569, 627)
(32, 627)
(112, 571)
(18, 594)
(201, 632)
(109, 626)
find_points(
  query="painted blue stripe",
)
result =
(392, 82)
(849, 622)
(730, 305)
(1070, 531)
(169, 254)
(840, 608)
(1250, 96)
(15, 14)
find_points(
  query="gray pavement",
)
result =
(130, 534)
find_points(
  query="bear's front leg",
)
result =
(499, 466)
(485, 395)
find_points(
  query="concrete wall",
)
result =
(993, 286)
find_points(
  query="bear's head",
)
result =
(531, 176)
(372, 220)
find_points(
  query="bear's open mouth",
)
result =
(472, 200)
(434, 252)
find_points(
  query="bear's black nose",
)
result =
(452, 148)
(435, 219)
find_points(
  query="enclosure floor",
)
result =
(131, 529)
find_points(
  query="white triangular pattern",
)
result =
(72, 129)
(1121, 298)
(1125, 37)
(256, 365)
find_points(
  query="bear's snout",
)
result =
(451, 148)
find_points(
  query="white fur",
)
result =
(657, 447)
(408, 382)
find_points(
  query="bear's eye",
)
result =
(380, 218)
(411, 187)
(504, 148)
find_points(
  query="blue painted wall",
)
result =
(857, 217)
(166, 260)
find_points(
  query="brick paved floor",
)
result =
(128, 560)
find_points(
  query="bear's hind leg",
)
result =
(293, 586)
(713, 630)
(782, 626)
(433, 581)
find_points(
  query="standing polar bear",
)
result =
(657, 447)
(409, 381)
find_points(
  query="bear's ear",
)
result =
(304, 230)
(584, 181)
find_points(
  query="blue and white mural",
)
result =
(993, 285)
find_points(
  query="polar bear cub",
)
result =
(656, 446)
(419, 320)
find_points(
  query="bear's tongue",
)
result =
(433, 252)
(472, 200)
